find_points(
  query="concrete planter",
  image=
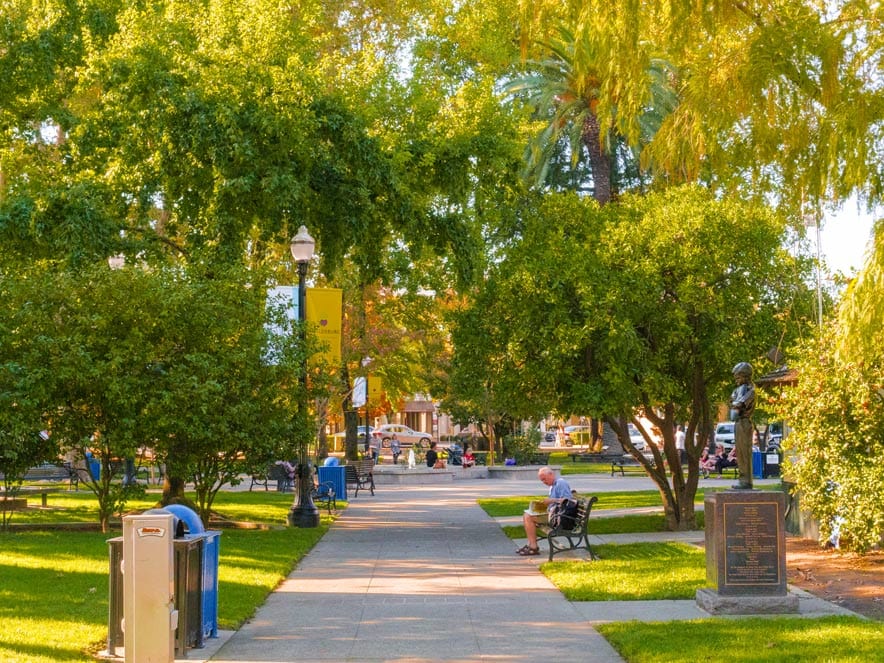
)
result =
(518, 472)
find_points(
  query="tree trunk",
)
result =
(351, 421)
(173, 490)
(678, 498)
(598, 159)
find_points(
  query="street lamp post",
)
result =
(304, 512)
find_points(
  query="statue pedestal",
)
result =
(746, 554)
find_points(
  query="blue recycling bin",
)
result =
(211, 555)
(757, 464)
(337, 474)
(210, 561)
(94, 465)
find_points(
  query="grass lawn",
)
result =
(656, 571)
(498, 507)
(652, 522)
(54, 583)
(749, 640)
(632, 572)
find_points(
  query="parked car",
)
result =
(635, 436)
(724, 434)
(549, 439)
(406, 436)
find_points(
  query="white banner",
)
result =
(359, 392)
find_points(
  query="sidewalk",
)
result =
(416, 574)
(423, 574)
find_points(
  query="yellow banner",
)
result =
(375, 389)
(324, 313)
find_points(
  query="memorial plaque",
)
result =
(746, 543)
(752, 530)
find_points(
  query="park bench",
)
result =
(626, 464)
(59, 472)
(55, 472)
(358, 473)
(274, 472)
(324, 493)
(52, 472)
(259, 479)
(539, 458)
(586, 457)
(733, 469)
(575, 536)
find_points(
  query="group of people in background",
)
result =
(717, 462)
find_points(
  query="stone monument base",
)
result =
(716, 604)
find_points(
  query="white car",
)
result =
(406, 436)
(724, 434)
(636, 437)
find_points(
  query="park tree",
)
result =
(132, 358)
(642, 308)
(80, 338)
(217, 405)
(774, 98)
(581, 116)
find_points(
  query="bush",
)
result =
(522, 447)
(834, 451)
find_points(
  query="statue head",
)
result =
(743, 372)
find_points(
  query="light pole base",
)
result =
(304, 512)
(300, 516)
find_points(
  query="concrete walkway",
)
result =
(416, 575)
(422, 574)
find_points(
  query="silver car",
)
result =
(406, 436)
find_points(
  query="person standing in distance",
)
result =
(742, 408)
(395, 448)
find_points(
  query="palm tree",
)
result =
(567, 87)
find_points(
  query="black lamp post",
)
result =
(304, 512)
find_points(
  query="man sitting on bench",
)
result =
(558, 490)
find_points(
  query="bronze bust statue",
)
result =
(742, 406)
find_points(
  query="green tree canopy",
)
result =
(644, 306)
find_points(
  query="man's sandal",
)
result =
(528, 551)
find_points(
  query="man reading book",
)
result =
(558, 490)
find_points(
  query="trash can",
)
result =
(208, 569)
(337, 474)
(196, 554)
(115, 596)
(771, 462)
(94, 466)
(188, 592)
(757, 464)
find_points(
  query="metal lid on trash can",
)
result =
(177, 525)
(331, 461)
(188, 516)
